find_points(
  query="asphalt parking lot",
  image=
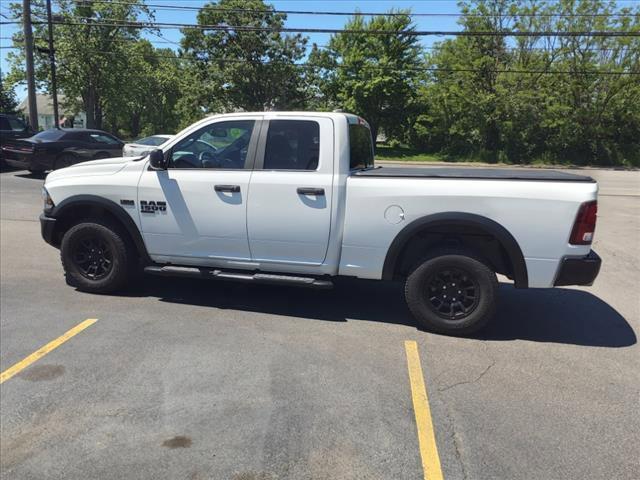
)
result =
(183, 379)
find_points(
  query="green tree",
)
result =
(148, 104)
(588, 107)
(372, 75)
(240, 69)
(8, 100)
(92, 58)
(460, 100)
(529, 98)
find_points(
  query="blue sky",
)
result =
(306, 21)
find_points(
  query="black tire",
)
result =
(34, 171)
(96, 256)
(65, 160)
(469, 306)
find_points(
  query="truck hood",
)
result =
(107, 166)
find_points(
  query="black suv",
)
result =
(12, 127)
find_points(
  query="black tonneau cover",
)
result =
(475, 173)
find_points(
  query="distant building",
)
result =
(68, 116)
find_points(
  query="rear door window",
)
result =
(103, 138)
(292, 145)
(360, 147)
(50, 135)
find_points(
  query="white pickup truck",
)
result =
(294, 198)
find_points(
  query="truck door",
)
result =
(290, 194)
(196, 209)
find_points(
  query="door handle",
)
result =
(227, 188)
(310, 191)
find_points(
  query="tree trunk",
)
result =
(135, 124)
(87, 104)
(92, 107)
(98, 114)
(374, 135)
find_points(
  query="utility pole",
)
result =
(31, 81)
(52, 61)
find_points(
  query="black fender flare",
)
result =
(118, 212)
(492, 227)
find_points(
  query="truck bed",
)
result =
(474, 174)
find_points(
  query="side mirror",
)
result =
(156, 160)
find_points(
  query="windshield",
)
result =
(360, 147)
(12, 123)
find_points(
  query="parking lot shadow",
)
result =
(350, 300)
(558, 315)
(540, 315)
(32, 176)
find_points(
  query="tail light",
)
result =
(585, 224)
(20, 147)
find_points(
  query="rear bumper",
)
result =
(47, 229)
(18, 163)
(578, 270)
(27, 161)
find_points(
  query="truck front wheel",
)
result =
(96, 256)
(452, 292)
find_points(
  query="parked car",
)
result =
(12, 127)
(295, 199)
(59, 148)
(144, 145)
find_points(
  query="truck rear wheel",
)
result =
(96, 256)
(452, 292)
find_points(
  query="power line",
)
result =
(428, 47)
(306, 65)
(165, 42)
(165, 39)
(414, 33)
(409, 33)
(356, 13)
(380, 67)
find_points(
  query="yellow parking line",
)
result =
(35, 356)
(426, 435)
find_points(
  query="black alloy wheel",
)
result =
(452, 293)
(97, 256)
(92, 257)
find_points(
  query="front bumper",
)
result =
(47, 229)
(578, 270)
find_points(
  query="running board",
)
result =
(265, 278)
